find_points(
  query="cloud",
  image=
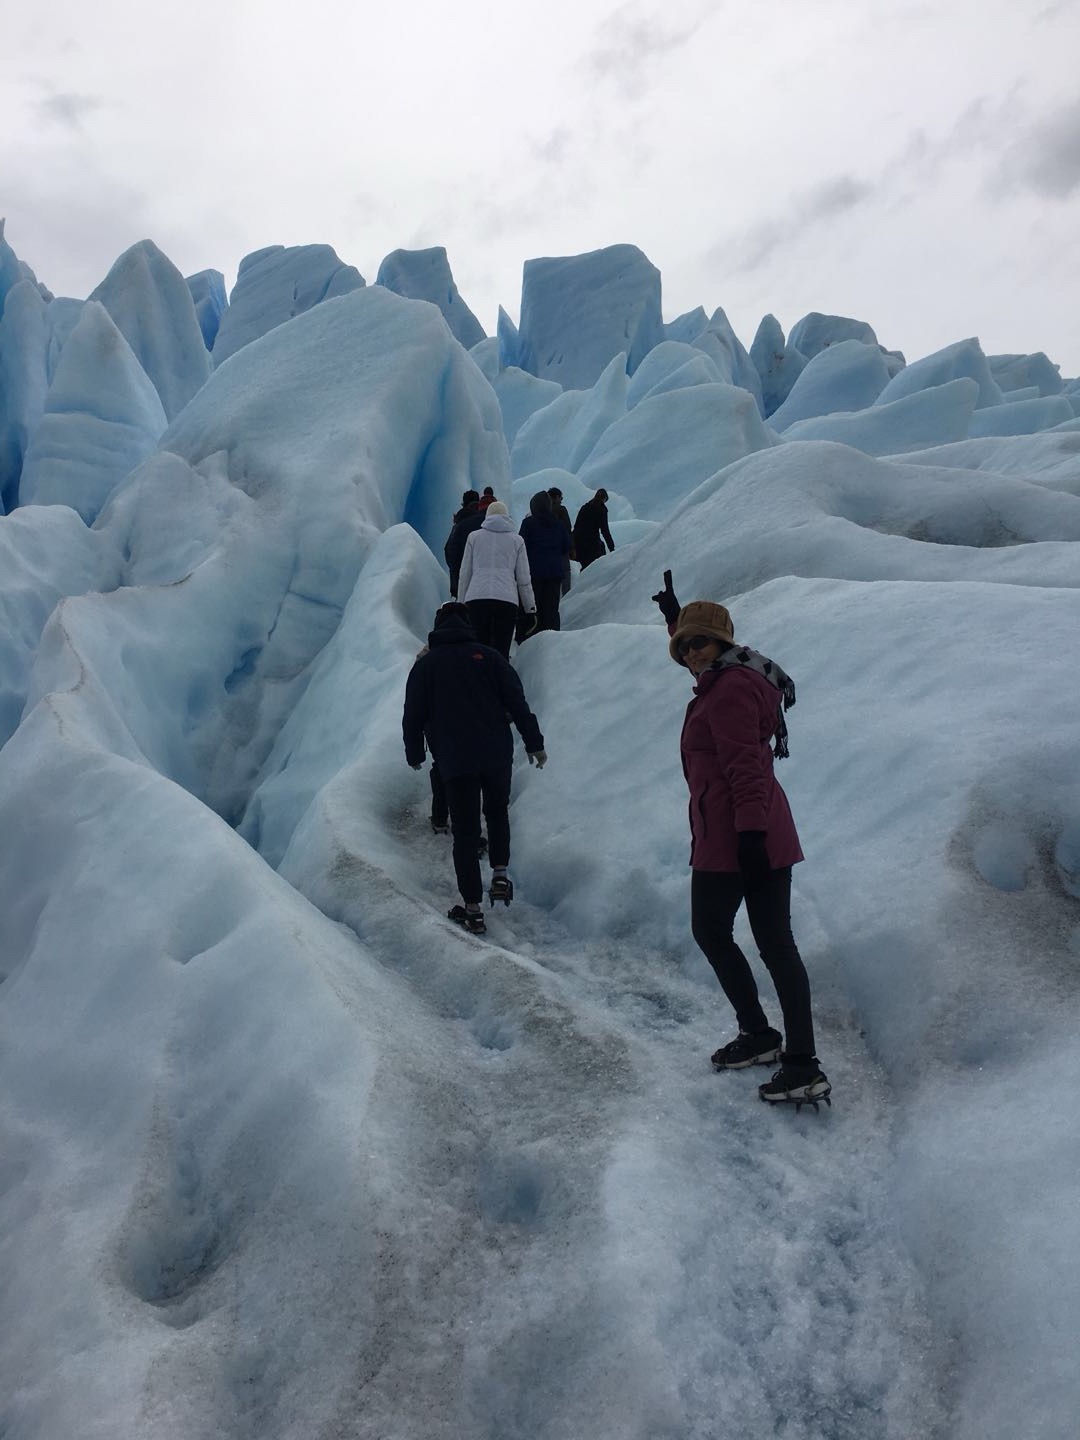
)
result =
(818, 205)
(69, 220)
(979, 129)
(553, 148)
(67, 109)
(630, 42)
(1054, 11)
(834, 197)
(1046, 160)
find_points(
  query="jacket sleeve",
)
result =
(512, 695)
(452, 551)
(604, 528)
(524, 578)
(465, 569)
(414, 716)
(734, 716)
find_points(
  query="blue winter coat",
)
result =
(547, 545)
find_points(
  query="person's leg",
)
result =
(463, 796)
(566, 576)
(768, 908)
(547, 603)
(480, 614)
(556, 600)
(715, 898)
(504, 618)
(495, 787)
(522, 626)
(440, 812)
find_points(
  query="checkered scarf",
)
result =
(741, 657)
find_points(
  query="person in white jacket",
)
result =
(495, 579)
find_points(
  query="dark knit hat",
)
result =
(450, 612)
(701, 617)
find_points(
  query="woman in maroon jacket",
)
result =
(743, 841)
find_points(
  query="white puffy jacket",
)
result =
(495, 565)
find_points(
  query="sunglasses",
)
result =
(694, 642)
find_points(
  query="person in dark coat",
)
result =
(469, 518)
(743, 840)
(559, 510)
(460, 698)
(591, 531)
(547, 545)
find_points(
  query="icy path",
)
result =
(617, 1241)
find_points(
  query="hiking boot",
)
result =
(762, 1048)
(797, 1085)
(471, 920)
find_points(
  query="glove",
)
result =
(753, 858)
(538, 758)
(416, 764)
(665, 598)
(533, 620)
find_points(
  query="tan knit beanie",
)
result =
(700, 617)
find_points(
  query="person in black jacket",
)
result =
(469, 518)
(559, 510)
(547, 545)
(460, 698)
(590, 525)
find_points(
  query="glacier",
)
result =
(283, 1154)
(426, 275)
(276, 284)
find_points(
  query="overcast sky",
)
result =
(914, 165)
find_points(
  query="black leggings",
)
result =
(494, 621)
(466, 793)
(715, 897)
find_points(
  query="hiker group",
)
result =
(513, 581)
(463, 695)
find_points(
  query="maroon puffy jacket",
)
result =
(728, 763)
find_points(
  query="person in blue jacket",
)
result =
(547, 545)
(460, 698)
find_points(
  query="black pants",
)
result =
(440, 813)
(548, 594)
(715, 898)
(494, 621)
(467, 794)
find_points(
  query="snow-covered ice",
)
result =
(102, 416)
(579, 311)
(283, 1154)
(154, 310)
(276, 284)
(426, 275)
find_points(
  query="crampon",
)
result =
(471, 920)
(502, 888)
(798, 1086)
